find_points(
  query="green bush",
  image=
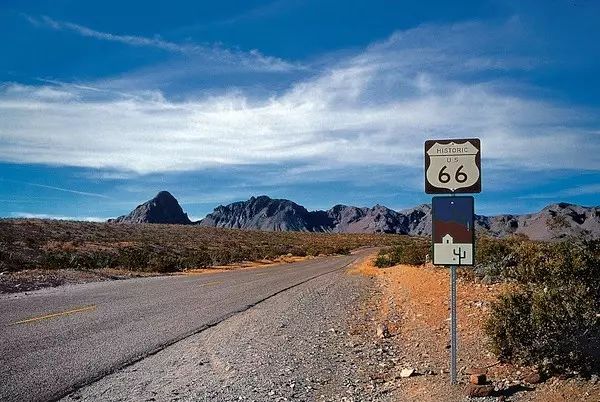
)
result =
(551, 316)
(493, 256)
(411, 252)
(79, 260)
(489, 250)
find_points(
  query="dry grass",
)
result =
(50, 245)
(365, 267)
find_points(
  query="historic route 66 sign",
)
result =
(453, 166)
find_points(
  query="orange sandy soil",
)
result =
(414, 302)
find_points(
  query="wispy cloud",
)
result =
(372, 108)
(126, 39)
(28, 215)
(261, 11)
(252, 59)
(65, 190)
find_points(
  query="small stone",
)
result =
(477, 379)
(383, 331)
(478, 391)
(533, 378)
(475, 370)
(407, 372)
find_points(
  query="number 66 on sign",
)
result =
(453, 166)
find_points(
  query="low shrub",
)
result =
(412, 252)
(493, 256)
(550, 317)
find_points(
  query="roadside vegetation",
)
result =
(550, 317)
(410, 250)
(43, 244)
(549, 313)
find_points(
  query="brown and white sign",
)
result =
(453, 166)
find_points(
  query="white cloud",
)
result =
(252, 60)
(376, 107)
(28, 215)
(61, 189)
(126, 39)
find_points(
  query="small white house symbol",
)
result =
(447, 239)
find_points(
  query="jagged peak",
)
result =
(163, 208)
(164, 195)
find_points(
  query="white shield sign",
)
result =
(452, 166)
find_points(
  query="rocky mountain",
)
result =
(264, 213)
(163, 208)
(379, 219)
(418, 220)
(553, 222)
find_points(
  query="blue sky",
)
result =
(105, 103)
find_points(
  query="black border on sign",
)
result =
(433, 229)
(475, 188)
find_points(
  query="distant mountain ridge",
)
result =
(264, 213)
(163, 208)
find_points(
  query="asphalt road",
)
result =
(56, 340)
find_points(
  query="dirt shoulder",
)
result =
(414, 302)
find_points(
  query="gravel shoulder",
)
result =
(414, 303)
(314, 342)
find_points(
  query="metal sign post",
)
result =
(453, 332)
(453, 166)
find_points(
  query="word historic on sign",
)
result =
(453, 166)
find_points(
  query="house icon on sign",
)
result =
(447, 239)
